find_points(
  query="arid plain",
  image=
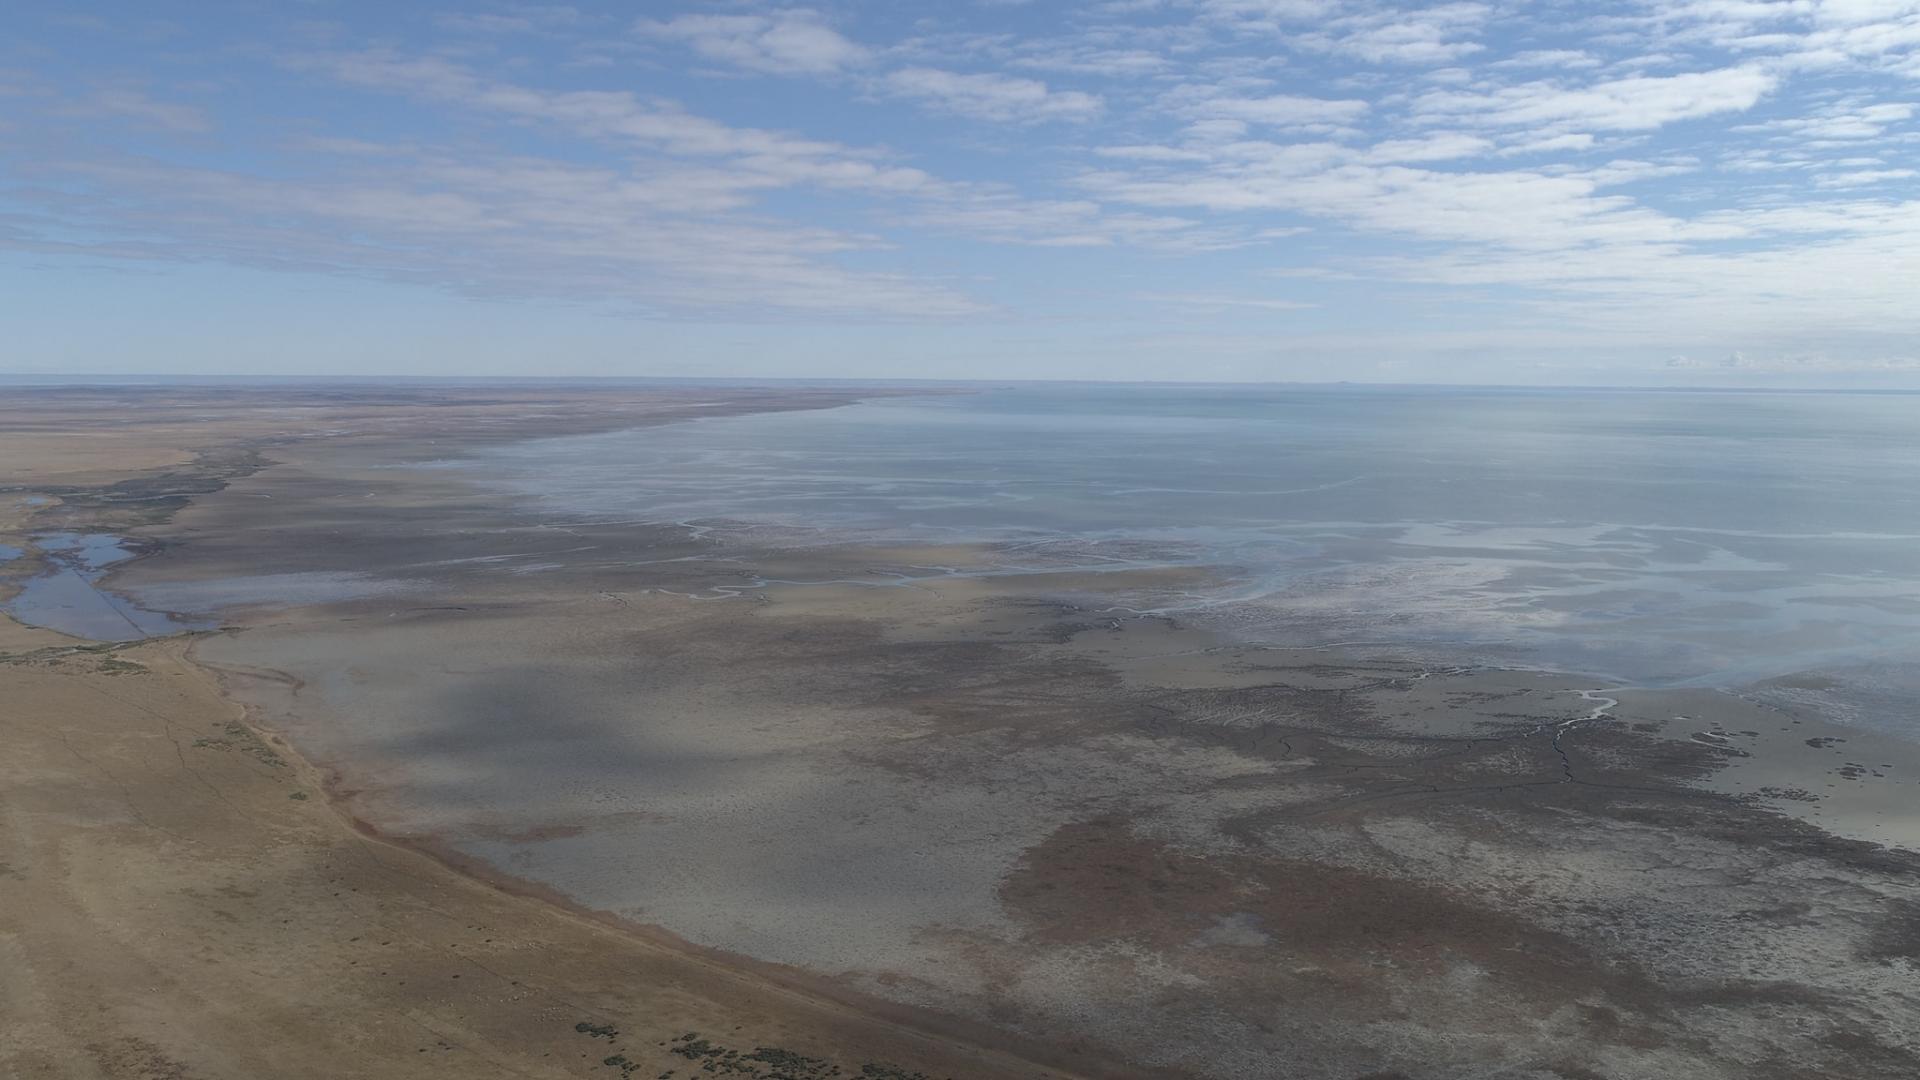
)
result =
(453, 785)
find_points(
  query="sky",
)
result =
(1695, 192)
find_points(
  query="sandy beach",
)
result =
(574, 775)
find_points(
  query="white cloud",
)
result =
(1444, 146)
(1846, 270)
(1864, 178)
(1859, 12)
(1803, 34)
(1373, 33)
(498, 229)
(1551, 144)
(1395, 35)
(1276, 110)
(1001, 98)
(1638, 103)
(1558, 59)
(768, 158)
(1069, 223)
(1844, 122)
(1267, 15)
(790, 42)
(1148, 152)
(671, 229)
(1083, 59)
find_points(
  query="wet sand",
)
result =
(180, 898)
(992, 809)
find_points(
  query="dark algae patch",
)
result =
(100, 658)
(232, 737)
(761, 1062)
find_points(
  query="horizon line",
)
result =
(229, 379)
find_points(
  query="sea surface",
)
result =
(1652, 538)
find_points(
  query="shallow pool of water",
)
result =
(67, 597)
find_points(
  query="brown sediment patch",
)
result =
(1032, 697)
(1098, 881)
(1095, 882)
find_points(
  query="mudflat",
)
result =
(180, 898)
(869, 807)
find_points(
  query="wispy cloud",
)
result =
(1638, 103)
(999, 98)
(789, 42)
(503, 228)
(762, 158)
(1394, 35)
(1637, 171)
(1284, 111)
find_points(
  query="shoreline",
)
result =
(60, 672)
(151, 897)
(1332, 826)
(921, 1024)
(146, 547)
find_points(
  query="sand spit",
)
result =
(993, 807)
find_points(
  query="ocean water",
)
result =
(1654, 538)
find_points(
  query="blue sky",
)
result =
(1696, 192)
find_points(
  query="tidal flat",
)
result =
(1038, 813)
